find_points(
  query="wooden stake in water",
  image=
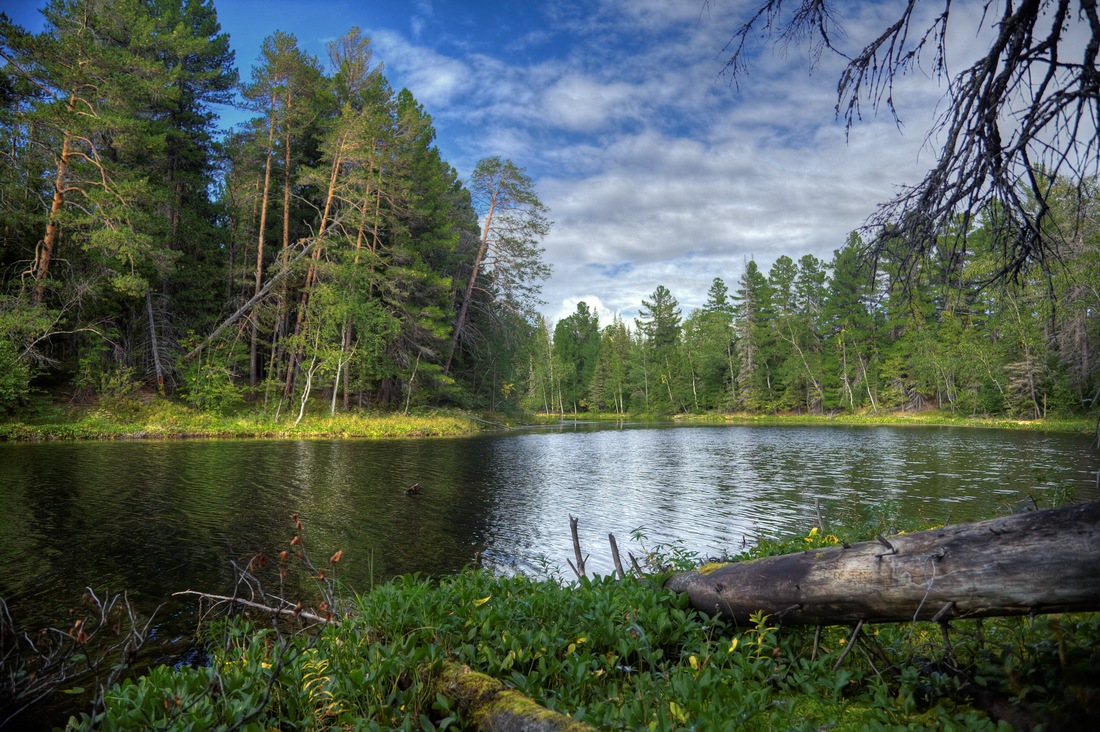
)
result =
(578, 568)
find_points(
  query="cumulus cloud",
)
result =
(438, 81)
(657, 170)
(577, 102)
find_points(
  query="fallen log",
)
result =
(490, 706)
(1025, 564)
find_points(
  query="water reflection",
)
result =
(157, 517)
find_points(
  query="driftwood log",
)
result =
(1028, 563)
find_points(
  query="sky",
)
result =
(656, 168)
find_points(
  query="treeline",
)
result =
(324, 248)
(324, 245)
(816, 337)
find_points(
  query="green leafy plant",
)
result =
(615, 654)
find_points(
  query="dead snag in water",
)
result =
(577, 568)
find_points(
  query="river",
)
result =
(152, 518)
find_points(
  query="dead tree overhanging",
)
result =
(1023, 116)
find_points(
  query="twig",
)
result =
(888, 545)
(848, 648)
(288, 612)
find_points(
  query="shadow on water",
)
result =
(153, 518)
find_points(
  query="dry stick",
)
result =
(817, 643)
(579, 568)
(820, 520)
(637, 566)
(848, 648)
(615, 556)
(289, 612)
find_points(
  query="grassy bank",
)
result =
(619, 655)
(927, 418)
(930, 418)
(153, 417)
(167, 419)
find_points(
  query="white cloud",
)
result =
(436, 80)
(568, 306)
(655, 169)
(577, 102)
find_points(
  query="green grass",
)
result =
(155, 417)
(929, 417)
(168, 419)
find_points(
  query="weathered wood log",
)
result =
(490, 706)
(1029, 563)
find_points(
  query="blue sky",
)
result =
(656, 170)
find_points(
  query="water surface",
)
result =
(153, 518)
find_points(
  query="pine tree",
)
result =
(752, 313)
(659, 324)
(577, 342)
(506, 266)
(850, 328)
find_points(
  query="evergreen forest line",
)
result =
(325, 243)
(817, 337)
(325, 249)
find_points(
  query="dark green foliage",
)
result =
(577, 345)
(620, 655)
(15, 377)
(158, 229)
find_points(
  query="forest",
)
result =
(324, 250)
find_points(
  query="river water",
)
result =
(152, 518)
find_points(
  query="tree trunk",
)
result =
(53, 225)
(460, 321)
(153, 344)
(277, 277)
(311, 273)
(253, 362)
(1029, 563)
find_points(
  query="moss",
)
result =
(492, 706)
(710, 567)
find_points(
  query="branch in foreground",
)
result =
(289, 612)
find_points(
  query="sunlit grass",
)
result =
(164, 418)
(929, 418)
(168, 419)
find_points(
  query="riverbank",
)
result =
(165, 419)
(927, 418)
(159, 418)
(930, 418)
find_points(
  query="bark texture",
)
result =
(493, 707)
(1030, 563)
